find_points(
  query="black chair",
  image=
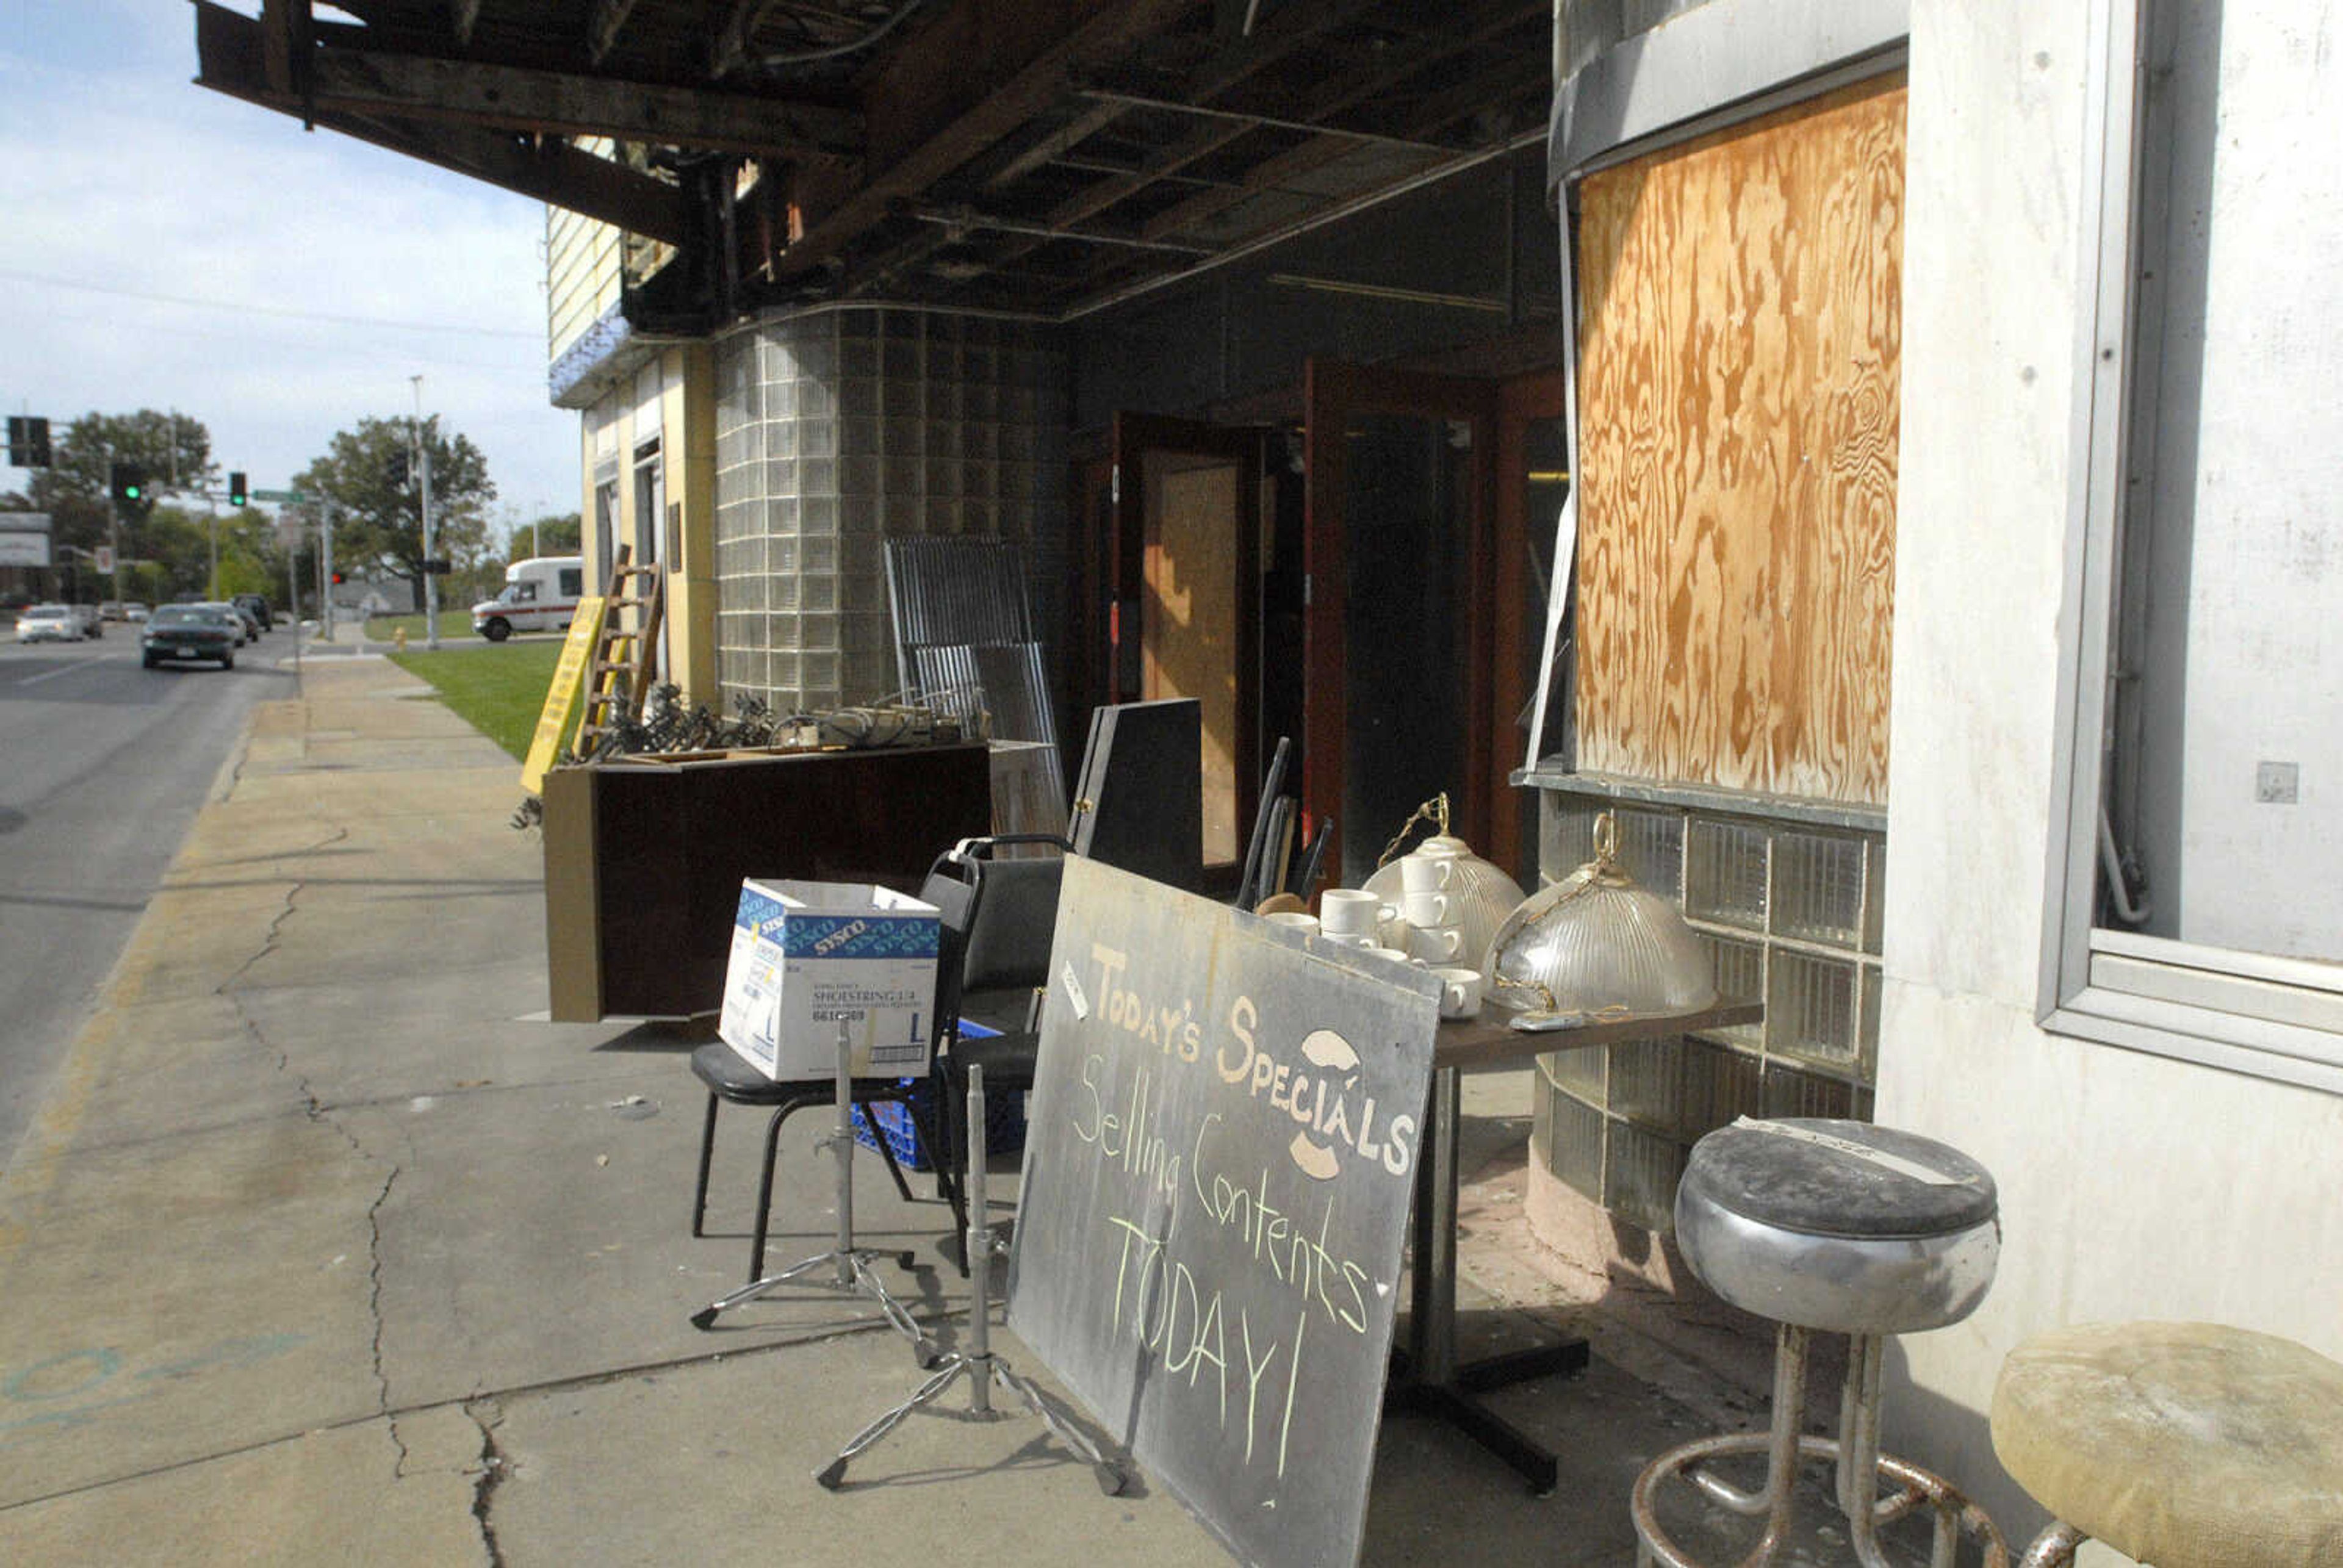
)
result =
(732, 1080)
(1004, 968)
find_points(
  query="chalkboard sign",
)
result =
(1220, 1150)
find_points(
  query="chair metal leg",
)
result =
(765, 1192)
(707, 1153)
(947, 1186)
(879, 1137)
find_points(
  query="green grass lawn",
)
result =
(497, 689)
(455, 625)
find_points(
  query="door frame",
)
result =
(1134, 435)
(1334, 392)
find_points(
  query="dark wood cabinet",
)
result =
(643, 860)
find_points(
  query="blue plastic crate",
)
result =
(1004, 1118)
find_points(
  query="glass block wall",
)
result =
(838, 428)
(1791, 913)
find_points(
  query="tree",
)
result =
(554, 534)
(377, 512)
(174, 449)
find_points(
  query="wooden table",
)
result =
(1426, 1377)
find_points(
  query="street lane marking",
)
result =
(65, 669)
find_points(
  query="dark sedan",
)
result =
(190, 631)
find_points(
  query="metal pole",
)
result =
(842, 1146)
(326, 565)
(211, 526)
(430, 581)
(293, 598)
(977, 1247)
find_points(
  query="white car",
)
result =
(48, 623)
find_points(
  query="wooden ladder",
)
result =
(619, 677)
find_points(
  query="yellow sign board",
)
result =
(561, 697)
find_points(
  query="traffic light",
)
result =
(340, 578)
(394, 470)
(236, 496)
(127, 481)
(28, 441)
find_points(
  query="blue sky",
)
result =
(162, 245)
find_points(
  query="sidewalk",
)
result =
(322, 1249)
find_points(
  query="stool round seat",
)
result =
(1842, 1226)
(2187, 1445)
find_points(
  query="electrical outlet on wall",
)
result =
(2278, 783)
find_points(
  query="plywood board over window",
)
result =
(1738, 419)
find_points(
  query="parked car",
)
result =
(48, 623)
(248, 629)
(133, 612)
(109, 610)
(186, 631)
(540, 594)
(257, 606)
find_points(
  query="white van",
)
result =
(540, 594)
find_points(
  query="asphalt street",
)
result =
(102, 766)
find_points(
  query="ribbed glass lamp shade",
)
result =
(1596, 943)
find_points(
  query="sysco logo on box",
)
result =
(840, 937)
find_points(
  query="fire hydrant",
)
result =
(398, 637)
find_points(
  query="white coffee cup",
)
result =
(1293, 919)
(1393, 954)
(1424, 873)
(1425, 911)
(1436, 944)
(1347, 939)
(1350, 911)
(1460, 991)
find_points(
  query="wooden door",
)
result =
(1186, 616)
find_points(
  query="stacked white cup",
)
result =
(1349, 916)
(1433, 903)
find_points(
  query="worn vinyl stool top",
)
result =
(1821, 1177)
(2185, 1445)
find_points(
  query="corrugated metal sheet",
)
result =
(965, 636)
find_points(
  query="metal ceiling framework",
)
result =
(1040, 157)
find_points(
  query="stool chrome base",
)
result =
(2055, 1547)
(1855, 1452)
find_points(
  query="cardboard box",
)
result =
(806, 954)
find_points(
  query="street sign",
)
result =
(293, 497)
(106, 557)
(23, 522)
(24, 549)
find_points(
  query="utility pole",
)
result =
(430, 577)
(325, 564)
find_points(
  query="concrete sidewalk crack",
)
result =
(487, 1415)
(276, 925)
(374, 1310)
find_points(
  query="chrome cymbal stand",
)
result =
(855, 1274)
(983, 1368)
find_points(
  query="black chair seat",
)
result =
(727, 1073)
(1007, 1059)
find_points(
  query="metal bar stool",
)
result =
(2185, 1445)
(1840, 1227)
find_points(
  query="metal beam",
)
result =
(1032, 86)
(1250, 118)
(558, 103)
(230, 59)
(602, 32)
